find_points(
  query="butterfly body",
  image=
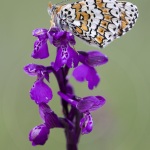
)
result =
(97, 22)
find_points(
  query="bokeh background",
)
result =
(122, 124)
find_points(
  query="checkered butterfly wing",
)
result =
(99, 22)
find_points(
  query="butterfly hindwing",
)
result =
(99, 22)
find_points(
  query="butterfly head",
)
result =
(51, 9)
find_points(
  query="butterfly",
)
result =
(97, 22)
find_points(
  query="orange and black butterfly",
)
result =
(97, 22)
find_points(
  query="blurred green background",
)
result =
(122, 124)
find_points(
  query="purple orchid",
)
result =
(39, 135)
(86, 71)
(63, 41)
(40, 91)
(85, 105)
(86, 123)
(40, 50)
(77, 118)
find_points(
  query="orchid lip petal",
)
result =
(39, 135)
(86, 73)
(66, 55)
(41, 92)
(40, 50)
(86, 123)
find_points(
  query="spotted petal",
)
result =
(40, 50)
(66, 55)
(39, 135)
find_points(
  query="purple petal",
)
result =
(43, 109)
(71, 38)
(31, 69)
(92, 78)
(83, 72)
(48, 116)
(58, 37)
(92, 58)
(55, 36)
(101, 102)
(90, 103)
(73, 59)
(60, 61)
(40, 33)
(40, 49)
(86, 123)
(41, 92)
(34, 69)
(66, 55)
(53, 31)
(39, 135)
(37, 70)
(80, 73)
